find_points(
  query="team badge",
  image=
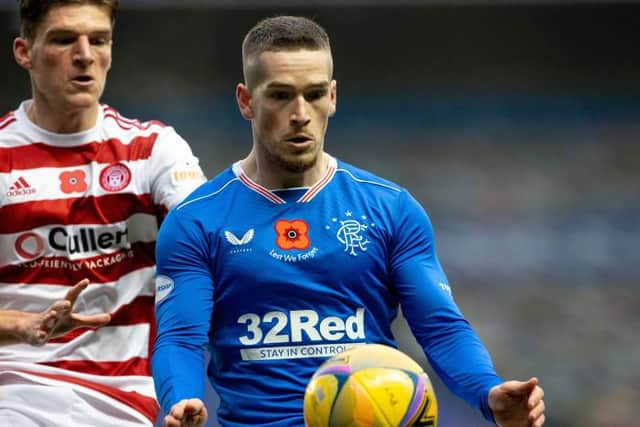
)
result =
(351, 232)
(115, 177)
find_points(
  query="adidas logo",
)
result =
(20, 188)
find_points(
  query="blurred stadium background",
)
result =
(516, 124)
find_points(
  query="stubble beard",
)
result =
(294, 164)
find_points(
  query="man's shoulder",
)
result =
(114, 120)
(218, 187)
(365, 178)
(8, 124)
(7, 119)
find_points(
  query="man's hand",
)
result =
(518, 404)
(187, 413)
(59, 318)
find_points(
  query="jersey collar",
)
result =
(270, 194)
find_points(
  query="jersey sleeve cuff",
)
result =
(487, 413)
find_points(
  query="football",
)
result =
(370, 385)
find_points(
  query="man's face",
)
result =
(291, 105)
(69, 57)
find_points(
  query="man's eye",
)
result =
(315, 94)
(279, 95)
(99, 41)
(63, 40)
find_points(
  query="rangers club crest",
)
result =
(115, 177)
(352, 232)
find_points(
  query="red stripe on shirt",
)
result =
(134, 366)
(319, 186)
(145, 405)
(130, 124)
(140, 310)
(126, 123)
(105, 209)
(107, 109)
(260, 189)
(39, 155)
(61, 271)
(7, 116)
(7, 123)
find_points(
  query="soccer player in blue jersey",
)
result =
(291, 255)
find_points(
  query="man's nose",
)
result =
(300, 115)
(82, 51)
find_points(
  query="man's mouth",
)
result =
(299, 139)
(83, 80)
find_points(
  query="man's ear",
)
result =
(243, 96)
(333, 97)
(22, 52)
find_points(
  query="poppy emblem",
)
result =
(115, 177)
(292, 234)
(73, 181)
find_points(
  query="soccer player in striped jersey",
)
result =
(291, 255)
(82, 190)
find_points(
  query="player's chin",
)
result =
(298, 163)
(82, 100)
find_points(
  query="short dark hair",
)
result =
(280, 33)
(33, 12)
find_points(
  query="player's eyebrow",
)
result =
(281, 85)
(63, 31)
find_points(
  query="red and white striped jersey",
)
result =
(88, 205)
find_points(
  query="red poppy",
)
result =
(73, 181)
(292, 234)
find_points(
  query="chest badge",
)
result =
(351, 232)
(115, 177)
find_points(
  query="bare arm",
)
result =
(57, 320)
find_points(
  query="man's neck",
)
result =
(59, 121)
(266, 175)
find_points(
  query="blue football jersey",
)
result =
(276, 281)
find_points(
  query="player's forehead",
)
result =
(76, 19)
(296, 68)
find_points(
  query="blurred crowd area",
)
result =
(517, 128)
